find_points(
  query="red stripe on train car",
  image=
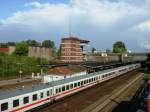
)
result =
(40, 101)
(66, 92)
(148, 105)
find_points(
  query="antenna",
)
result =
(70, 25)
(70, 32)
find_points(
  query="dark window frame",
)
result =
(4, 106)
(67, 87)
(63, 88)
(59, 90)
(71, 86)
(75, 84)
(41, 95)
(48, 93)
(26, 100)
(78, 83)
(34, 97)
(16, 103)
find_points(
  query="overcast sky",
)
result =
(100, 21)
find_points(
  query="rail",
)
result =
(100, 104)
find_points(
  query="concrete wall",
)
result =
(11, 49)
(40, 52)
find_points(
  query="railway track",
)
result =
(77, 102)
(100, 105)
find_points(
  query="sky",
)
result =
(102, 22)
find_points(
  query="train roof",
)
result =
(12, 93)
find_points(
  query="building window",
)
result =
(34, 97)
(26, 100)
(16, 103)
(41, 95)
(4, 106)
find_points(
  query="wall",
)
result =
(40, 52)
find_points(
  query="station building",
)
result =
(72, 49)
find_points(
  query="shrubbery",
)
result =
(11, 64)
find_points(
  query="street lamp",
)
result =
(20, 71)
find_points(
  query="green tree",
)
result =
(48, 44)
(58, 53)
(33, 43)
(119, 47)
(21, 49)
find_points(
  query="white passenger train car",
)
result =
(29, 98)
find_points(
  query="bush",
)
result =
(11, 64)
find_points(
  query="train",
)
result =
(26, 99)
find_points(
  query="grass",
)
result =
(147, 76)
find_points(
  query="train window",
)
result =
(26, 100)
(75, 84)
(48, 93)
(63, 88)
(4, 106)
(81, 83)
(15, 103)
(97, 78)
(34, 97)
(67, 87)
(87, 81)
(59, 90)
(78, 83)
(71, 86)
(51, 91)
(41, 95)
(84, 81)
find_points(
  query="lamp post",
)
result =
(20, 70)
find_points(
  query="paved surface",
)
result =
(15, 81)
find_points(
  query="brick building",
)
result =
(72, 49)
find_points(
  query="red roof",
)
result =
(4, 50)
(66, 70)
(60, 71)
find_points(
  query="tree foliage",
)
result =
(21, 49)
(33, 43)
(58, 53)
(119, 47)
(48, 44)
